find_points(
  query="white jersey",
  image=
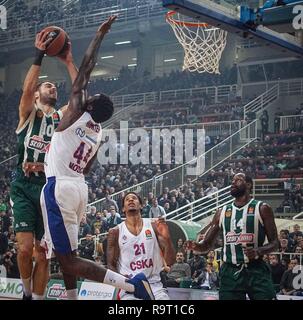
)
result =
(71, 149)
(140, 253)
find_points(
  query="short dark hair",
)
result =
(136, 194)
(39, 84)
(103, 107)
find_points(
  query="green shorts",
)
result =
(25, 198)
(254, 280)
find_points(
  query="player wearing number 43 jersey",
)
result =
(140, 245)
(64, 197)
(244, 224)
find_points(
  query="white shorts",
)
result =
(63, 203)
(159, 292)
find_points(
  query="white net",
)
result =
(203, 44)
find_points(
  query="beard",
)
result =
(48, 100)
(238, 192)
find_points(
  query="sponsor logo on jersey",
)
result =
(239, 238)
(56, 116)
(57, 291)
(23, 224)
(228, 213)
(141, 264)
(37, 143)
(124, 237)
(148, 234)
(80, 133)
(93, 126)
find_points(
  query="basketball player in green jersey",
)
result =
(244, 225)
(37, 122)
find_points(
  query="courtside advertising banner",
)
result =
(96, 291)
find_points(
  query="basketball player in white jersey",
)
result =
(136, 245)
(38, 119)
(64, 197)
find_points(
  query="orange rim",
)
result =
(170, 18)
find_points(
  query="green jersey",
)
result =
(241, 227)
(34, 137)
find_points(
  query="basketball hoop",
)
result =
(203, 44)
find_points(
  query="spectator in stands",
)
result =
(299, 255)
(4, 219)
(287, 280)
(114, 218)
(145, 208)
(84, 228)
(266, 258)
(164, 199)
(167, 208)
(277, 269)
(211, 258)
(3, 243)
(277, 122)
(284, 234)
(211, 189)
(10, 263)
(284, 249)
(179, 272)
(264, 123)
(197, 264)
(87, 247)
(150, 198)
(296, 232)
(298, 198)
(108, 202)
(182, 201)
(91, 215)
(207, 280)
(156, 211)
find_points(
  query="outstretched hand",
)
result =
(105, 26)
(41, 41)
(67, 56)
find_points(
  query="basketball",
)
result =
(59, 43)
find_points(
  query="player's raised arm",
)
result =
(31, 80)
(165, 242)
(68, 60)
(88, 63)
(210, 237)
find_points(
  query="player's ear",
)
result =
(37, 95)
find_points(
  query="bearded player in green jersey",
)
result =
(37, 122)
(244, 224)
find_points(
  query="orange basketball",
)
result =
(59, 43)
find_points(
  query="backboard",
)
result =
(228, 18)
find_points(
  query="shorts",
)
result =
(159, 292)
(25, 202)
(63, 203)
(253, 280)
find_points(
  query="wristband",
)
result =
(39, 56)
